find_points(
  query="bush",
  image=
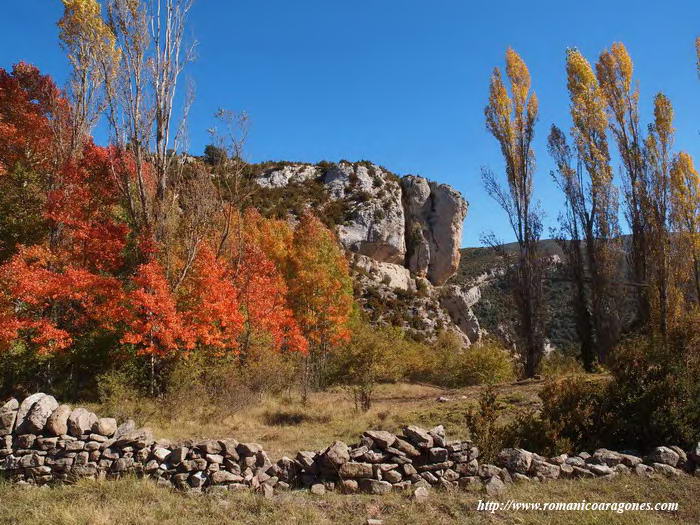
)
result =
(557, 363)
(203, 385)
(449, 364)
(651, 398)
(373, 355)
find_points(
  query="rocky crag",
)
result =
(42, 441)
(404, 234)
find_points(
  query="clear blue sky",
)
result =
(401, 82)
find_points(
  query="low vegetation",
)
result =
(131, 501)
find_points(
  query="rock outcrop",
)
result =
(404, 235)
(434, 217)
(408, 221)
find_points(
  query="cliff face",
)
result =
(404, 234)
(408, 221)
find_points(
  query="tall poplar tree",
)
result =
(511, 120)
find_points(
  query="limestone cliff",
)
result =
(404, 234)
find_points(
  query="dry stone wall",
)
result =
(42, 442)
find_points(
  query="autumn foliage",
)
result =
(90, 271)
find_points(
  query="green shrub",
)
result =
(449, 364)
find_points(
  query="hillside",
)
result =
(481, 267)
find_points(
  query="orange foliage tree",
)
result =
(320, 292)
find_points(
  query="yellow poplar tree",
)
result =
(685, 215)
(614, 71)
(657, 211)
(511, 120)
(592, 203)
(93, 54)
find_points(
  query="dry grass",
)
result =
(283, 425)
(131, 501)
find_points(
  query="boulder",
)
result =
(599, 470)
(318, 489)
(178, 455)
(105, 426)
(420, 495)
(38, 414)
(349, 486)
(210, 446)
(223, 476)
(57, 424)
(80, 422)
(336, 455)
(418, 436)
(139, 438)
(26, 406)
(630, 460)
(544, 470)
(515, 460)
(495, 487)
(374, 486)
(667, 470)
(607, 457)
(8, 414)
(663, 455)
(381, 438)
(248, 449)
(355, 470)
(406, 448)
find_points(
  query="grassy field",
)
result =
(137, 502)
(283, 425)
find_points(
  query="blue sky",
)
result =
(401, 82)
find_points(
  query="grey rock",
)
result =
(8, 414)
(544, 470)
(318, 489)
(418, 436)
(392, 476)
(607, 457)
(630, 461)
(57, 423)
(210, 446)
(248, 449)
(495, 487)
(128, 426)
(38, 414)
(26, 406)
(515, 460)
(667, 470)
(223, 476)
(140, 438)
(337, 454)
(643, 470)
(663, 455)
(105, 426)
(355, 470)
(80, 422)
(599, 470)
(437, 455)
(420, 495)
(381, 438)
(178, 455)
(406, 448)
(374, 486)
